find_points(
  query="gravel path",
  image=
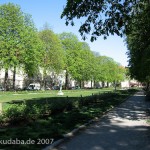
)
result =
(123, 128)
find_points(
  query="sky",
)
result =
(49, 11)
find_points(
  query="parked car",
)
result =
(55, 87)
(75, 87)
(33, 86)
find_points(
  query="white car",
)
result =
(34, 86)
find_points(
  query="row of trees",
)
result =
(22, 46)
(128, 18)
(83, 65)
(138, 42)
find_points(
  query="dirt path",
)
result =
(123, 128)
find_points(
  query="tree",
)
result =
(105, 69)
(138, 42)
(109, 71)
(71, 45)
(80, 60)
(32, 52)
(16, 40)
(53, 57)
(83, 67)
(118, 74)
(102, 17)
(90, 69)
(10, 23)
(109, 17)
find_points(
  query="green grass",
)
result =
(54, 126)
(26, 95)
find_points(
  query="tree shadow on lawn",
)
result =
(65, 115)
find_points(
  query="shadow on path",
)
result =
(123, 128)
(133, 109)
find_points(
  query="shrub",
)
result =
(2, 119)
(15, 111)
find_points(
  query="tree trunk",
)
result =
(66, 80)
(94, 84)
(44, 78)
(6, 80)
(103, 84)
(44, 82)
(91, 84)
(115, 85)
(80, 84)
(107, 84)
(14, 79)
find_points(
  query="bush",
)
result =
(2, 119)
(15, 111)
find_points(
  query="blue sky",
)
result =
(49, 11)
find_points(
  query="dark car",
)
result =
(55, 87)
(75, 87)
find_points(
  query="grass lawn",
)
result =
(54, 126)
(28, 95)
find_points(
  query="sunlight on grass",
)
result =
(25, 95)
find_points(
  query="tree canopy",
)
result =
(22, 46)
(122, 17)
(18, 40)
(53, 53)
(102, 17)
(83, 65)
(138, 43)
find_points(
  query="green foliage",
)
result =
(33, 53)
(138, 41)
(11, 22)
(20, 46)
(53, 53)
(130, 18)
(102, 17)
(109, 70)
(15, 111)
(83, 65)
(2, 120)
(23, 47)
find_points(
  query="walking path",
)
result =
(123, 128)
